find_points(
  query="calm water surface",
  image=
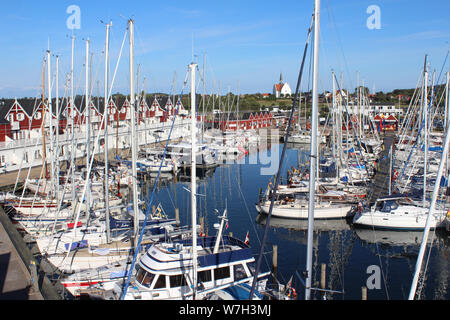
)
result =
(346, 251)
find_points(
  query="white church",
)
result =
(281, 89)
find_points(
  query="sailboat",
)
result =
(191, 269)
(313, 163)
(397, 212)
(101, 241)
(165, 271)
(392, 214)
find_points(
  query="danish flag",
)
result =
(247, 239)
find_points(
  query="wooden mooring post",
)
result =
(323, 274)
(363, 293)
(275, 263)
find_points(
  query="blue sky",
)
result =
(247, 43)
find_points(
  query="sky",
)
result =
(246, 44)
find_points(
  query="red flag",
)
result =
(226, 226)
(247, 239)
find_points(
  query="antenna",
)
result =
(192, 46)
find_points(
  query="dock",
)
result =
(380, 186)
(21, 275)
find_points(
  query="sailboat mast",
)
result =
(203, 96)
(49, 104)
(237, 109)
(313, 162)
(88, 133)
(57, 129)
(390, 170)
(425, 116)
(106, 121)
(44, 147)
(192, 68)
(423, 245)
(72, 115)
(133, 135)
(358, 104)
(447, 106)
(333, 143)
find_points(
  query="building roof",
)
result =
(279, 86)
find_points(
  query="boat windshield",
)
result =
(389, 205)
(144, 278)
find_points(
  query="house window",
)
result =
(112, 111)
(37, 115)
(20, 117)
(124, 110)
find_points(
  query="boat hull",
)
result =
(301, 212)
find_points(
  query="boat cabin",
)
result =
(165, 271)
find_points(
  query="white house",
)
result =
(281, 89)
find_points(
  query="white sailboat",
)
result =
(388, 213)
(191, 269)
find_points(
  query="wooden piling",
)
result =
(323, 273)
(275, 257)
(274, 263)
(363, 293)
(177, 216)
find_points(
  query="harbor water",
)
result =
(382, 261)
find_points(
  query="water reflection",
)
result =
(302, 224)
(395, 238)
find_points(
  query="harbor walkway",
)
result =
(20, 276)
(380, 185)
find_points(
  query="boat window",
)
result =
(144, 278)
(388, 206)
(160, 282)
(205, 276)
(177, 281)
(239, 272)
(252, 267)
(221, 273)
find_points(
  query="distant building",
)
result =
(282, 89)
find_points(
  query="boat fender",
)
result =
(291, 293)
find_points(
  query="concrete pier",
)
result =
(20, 275)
